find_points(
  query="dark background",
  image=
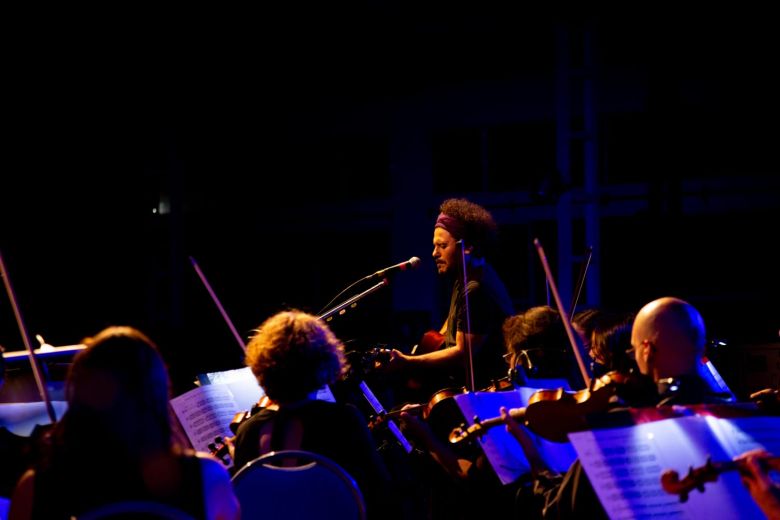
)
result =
(265, 144)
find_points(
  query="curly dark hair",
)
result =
(479, 229)
(293, 354)
(536, 340)
(537, 327)
(611, 340)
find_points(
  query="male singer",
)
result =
(475, 314)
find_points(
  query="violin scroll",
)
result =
(463, 433)
(695, 479)
(222, 449)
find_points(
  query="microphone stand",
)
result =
(328, 315)
(580, 282)
(470, 360)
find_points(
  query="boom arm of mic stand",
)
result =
(328, 315)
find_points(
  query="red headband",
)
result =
(450, 224)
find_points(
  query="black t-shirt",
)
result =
(489, 305)
(17, 454)
(62, 492)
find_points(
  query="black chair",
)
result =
(295, 484)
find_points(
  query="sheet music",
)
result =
(501, 449)
(242, 384)
(625, 465)
(206, 412)
(21, 418)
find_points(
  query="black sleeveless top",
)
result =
(65, 492)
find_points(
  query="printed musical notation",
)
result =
(625, 464)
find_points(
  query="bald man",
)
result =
(668, 340)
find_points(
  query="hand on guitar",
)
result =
(391, 360)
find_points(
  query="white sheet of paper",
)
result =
(247, 392)
(21, 418)
(501, 449)
(625, 465)
(242, 384)
(206, 412)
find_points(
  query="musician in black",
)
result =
(668, 340)
(293, 355)
(476, 312)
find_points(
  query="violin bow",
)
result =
(39, 380)
(580, 282)
(218, 304)
(564, 315)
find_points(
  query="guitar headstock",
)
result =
(362, 363)
(695, 479)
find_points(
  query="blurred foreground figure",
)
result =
(293, 355)
(114, 444)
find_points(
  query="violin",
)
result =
(554, 413)
(380, 419)
(440, 411)
(222, 447)
(697, 477)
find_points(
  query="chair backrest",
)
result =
(295, 484)
(135, 509)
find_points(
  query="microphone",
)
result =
(412, 263)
